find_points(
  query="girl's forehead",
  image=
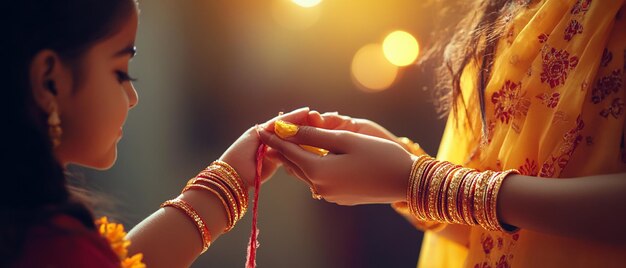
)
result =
(122, 42)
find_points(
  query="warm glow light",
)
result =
(371, 70)
(293, 16)
(401, 48)
(307, 3)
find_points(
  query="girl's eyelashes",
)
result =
(124, 77)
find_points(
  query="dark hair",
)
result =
(34, 186)
(474, 41)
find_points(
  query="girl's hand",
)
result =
(362, 126)
(241, 155)
(336, 121)
(359, 169)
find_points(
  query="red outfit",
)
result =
(65, 242)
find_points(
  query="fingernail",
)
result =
(263, 135)
(285, 129)
(315, 150)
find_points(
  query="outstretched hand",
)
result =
(336, 121)
(359, 169)
(241, 155)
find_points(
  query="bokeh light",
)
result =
(307, 3)
(371, 70)
(293, 16)
(401, 48)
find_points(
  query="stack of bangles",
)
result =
(440, 191)
(222, 180)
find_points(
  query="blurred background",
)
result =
(208, 70)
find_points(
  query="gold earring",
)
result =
(54, 126)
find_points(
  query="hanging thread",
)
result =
(254, 242)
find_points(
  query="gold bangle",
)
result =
(230, 170)
(441, 192)
(497, 225)
(229, 216)
(233, 205)
(448, 193)
(193, 215)
(421, 190)
(424, 190)
(442, 198)
(488, 199)
(433, 192)
(451, 206)
(417, 195)
(230, 177)
(416, 171)
(223, 179)
(468, 188)
(479, 198)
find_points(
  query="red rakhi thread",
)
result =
(254, 241)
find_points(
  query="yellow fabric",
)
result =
(554, 109)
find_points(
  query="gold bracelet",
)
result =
(233, 205)
(234, 184)
(416, 172)
(217, 177)
(453, 191)
(228, 177)
(230, 170)
(193, 215)
(424, 186)
(468, 198)
(495, 222)
(231, 220)
(479, 198)
(443, 192)
(417, 193)
(442, 197)
(434, 191)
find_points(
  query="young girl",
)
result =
(537, 94)
(67, 92)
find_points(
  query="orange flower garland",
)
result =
(116, 236)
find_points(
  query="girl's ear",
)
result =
(50, 79)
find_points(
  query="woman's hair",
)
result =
(34, 186)
(474, 42)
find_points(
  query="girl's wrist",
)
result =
(400, 193)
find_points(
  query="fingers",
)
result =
(298, 116)
(336, 121)
(316, 119)
(270, 163)
(336, 141)
(289, 150)
(289, 166)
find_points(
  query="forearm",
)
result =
(592, 208)
(168, 237)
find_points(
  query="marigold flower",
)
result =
(116, 236)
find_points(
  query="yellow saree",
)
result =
(555, 109)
